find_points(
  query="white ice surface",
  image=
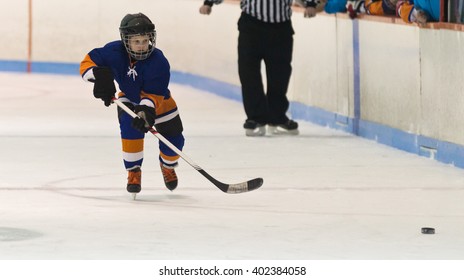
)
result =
(327, 195)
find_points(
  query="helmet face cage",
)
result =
(138, 25)
(139, 55)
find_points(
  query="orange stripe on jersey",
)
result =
(86, 64)
(374, 7)
(404, 10)
(132, 146)
(156, 99)
(161, 105)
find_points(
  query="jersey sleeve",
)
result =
(96, 57)
(92, 59)
(405, 10)
(335, 6)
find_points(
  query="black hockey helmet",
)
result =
(138, 24)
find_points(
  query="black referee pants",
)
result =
(272, 43)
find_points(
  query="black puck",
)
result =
(428, 230)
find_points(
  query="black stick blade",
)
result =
(245, 186)
(234, 188)
(242, 187)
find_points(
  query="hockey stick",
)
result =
(227, 188)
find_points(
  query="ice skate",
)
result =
(170, 177)
(253, 128)
(134, 180)
(288, 128)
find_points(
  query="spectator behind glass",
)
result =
(371, 7)
(419, 11)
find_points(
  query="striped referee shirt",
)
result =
(272, 11)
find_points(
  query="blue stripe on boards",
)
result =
(442, 151)
(13, 65)
(40, 67)
(223, 89)
(51, 68)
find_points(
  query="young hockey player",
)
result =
(142, 73)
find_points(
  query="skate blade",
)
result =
(259, 131)
(133, 196)
(276, 130)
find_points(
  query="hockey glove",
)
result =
(205, 10)
(310, 12)
(145, 119)
(103, 87)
